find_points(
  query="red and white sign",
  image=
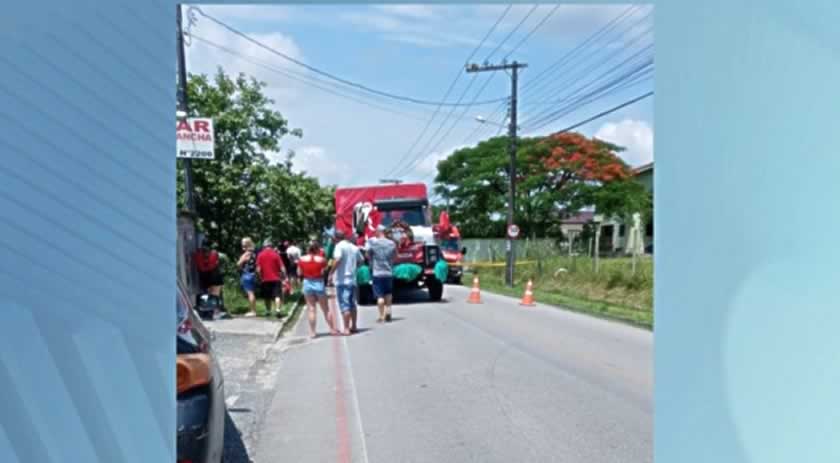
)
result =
(195, 138)
(513, 231)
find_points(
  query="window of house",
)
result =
(621, 231)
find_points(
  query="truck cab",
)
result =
(449, 240)
(453, 252)
(404, 210)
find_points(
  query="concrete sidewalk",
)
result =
(247, 326)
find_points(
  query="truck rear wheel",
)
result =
(435, 289)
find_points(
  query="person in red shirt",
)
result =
(311, 268)
(272, 272)
(209, 272)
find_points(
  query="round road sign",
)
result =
(513, 230)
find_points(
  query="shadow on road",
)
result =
(235, 451)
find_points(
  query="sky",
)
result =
(352, 137)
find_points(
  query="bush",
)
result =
(636, 282)
(616, 279)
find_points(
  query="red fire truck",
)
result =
(404, 210)
(449, 239)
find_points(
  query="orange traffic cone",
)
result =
(475, 294)
(528, 298)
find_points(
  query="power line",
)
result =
(308, 80)
(518, 45)
(329, 75)
(510, 34)
(419, 156)
(630, 78)
(549, 113)
(487, 81)
(607, 112)
(448, 91)
(610, 82)
(586, 71)
(451, 87)
(582, 101)
(588, 43)
(482, 126)
(581, 71)
(604, 30)
(598, 116)
(534, 29)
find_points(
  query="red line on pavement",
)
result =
(342, 426)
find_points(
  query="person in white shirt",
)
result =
(293, 253)
(347, 258)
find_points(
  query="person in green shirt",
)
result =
(330, 248)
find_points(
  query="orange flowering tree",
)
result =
(571, 157)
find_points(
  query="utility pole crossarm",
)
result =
(495, 67)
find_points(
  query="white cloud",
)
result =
(426, 25)
(205, 58)
(570, 23)
(314, 161)
(420, 25)
(634, 135)
(246, 12)
(409, 11)
(380, 22)
(414, 39)
(428, 165)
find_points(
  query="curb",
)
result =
(271, 337)
(290, 320)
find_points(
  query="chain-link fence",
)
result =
(493, 250)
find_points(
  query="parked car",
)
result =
(201, 392)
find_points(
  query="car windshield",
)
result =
(449, 245)
(413, 217)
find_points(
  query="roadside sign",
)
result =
(195, 138)
(513, 231)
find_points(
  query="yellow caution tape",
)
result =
(497, 264)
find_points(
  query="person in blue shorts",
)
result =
(312, 266)
(346, 258)
(248, 280)
(381, 252)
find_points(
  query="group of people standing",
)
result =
(267, 271)
(321, 271)
(271, 271)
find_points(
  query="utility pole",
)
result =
(183, 107)
(514, 76)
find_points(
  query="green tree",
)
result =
(241, 192)
(556, 176)
(475, 181)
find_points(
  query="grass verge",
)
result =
(237, 303)
(614, 293)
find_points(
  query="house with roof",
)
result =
(614, 232)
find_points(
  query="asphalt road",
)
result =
(249, 357)
(455, 382)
